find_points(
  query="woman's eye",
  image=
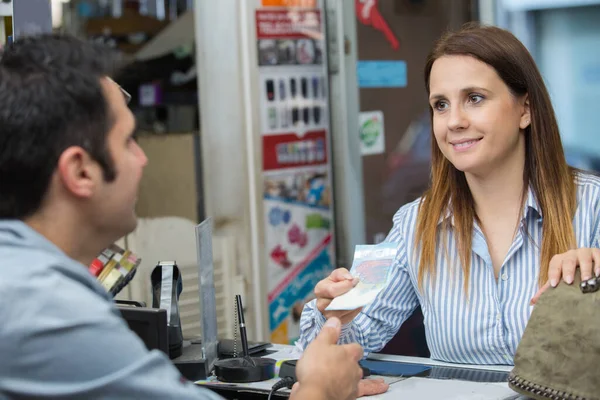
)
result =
(440, 105)
(475, 98)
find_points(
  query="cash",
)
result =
(372, 266)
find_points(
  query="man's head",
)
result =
(66, 134)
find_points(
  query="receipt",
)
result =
(371, 265)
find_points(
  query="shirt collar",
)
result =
(531, 204)
(21, 233)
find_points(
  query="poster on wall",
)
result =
(296, 165)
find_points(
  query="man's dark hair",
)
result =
(51, 98)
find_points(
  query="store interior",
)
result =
(298, 142)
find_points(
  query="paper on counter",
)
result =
(371, 265)
(447, 389)
(287, 353)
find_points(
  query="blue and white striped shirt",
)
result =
(486, 326)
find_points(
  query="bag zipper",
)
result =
(540, 390)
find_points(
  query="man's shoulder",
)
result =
(26, 253)
(45, 312)
(60, 336)
(32, 268)
(36, 284)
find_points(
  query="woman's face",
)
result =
(477, 122)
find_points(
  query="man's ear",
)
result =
(78, 172)
(526, 116)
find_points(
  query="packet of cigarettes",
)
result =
(115, 268)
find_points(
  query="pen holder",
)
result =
(245, 369)
(166, 288)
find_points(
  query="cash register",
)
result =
(198, 356)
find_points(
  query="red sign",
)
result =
(288, 24)
(290, 151)
(368, 13)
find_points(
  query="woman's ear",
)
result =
(526, 116)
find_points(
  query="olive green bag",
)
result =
(559, 354)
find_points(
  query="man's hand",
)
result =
(339, 282)
(326, 370)
(371, 387)
(366, 387)
(564, 265)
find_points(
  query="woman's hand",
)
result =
(564, 265)
(336, 284)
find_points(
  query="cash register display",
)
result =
(206, 285)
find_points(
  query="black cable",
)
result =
(286, 382)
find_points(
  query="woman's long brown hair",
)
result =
(546, 169)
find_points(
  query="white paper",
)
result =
(356, 298)
(371, 265)
(292, 353)
(448, 389)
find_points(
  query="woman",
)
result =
(503, 214)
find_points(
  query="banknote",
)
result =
(372, 266)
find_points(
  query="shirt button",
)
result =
(504, 276)
(498, 317)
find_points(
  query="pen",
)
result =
(242, 322)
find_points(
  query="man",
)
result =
(69, 175)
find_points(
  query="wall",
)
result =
(568, 43)
(227, 156)
(347, 162)
(168, 187)
(401, 173)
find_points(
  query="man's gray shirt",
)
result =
(61, 335)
